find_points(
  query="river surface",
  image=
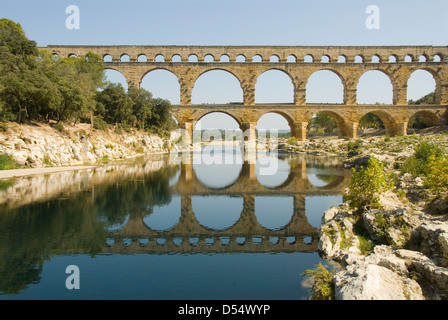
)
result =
(208, 225)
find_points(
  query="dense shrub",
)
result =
(419, 163)
(354, 148)
(436, 179)
(367, 184)
(99, 123)
(292, 140)
(323, 287)
(8, 163)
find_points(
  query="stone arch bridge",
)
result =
(247, 63)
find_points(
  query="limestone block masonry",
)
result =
(247, 63)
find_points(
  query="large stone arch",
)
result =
(144, 74)
(226, 112)
(437, 80)
(120, 71)
(390, 77)
(285, 114)
(341, 122)
(262, 71)
(164, 69)
(223, 68)
(392, 126)
(216, 69)
(259, 125)
(333, 71)
(431, 119)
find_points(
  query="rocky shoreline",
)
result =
(396, 251)
(41, 145)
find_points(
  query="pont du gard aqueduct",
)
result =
(247, 63)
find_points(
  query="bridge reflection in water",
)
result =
(246, 234)
(167, 206)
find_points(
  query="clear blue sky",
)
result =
(236, 22)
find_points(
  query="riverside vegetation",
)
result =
(38, 89)
(389, 239)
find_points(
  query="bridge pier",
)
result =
(187, 132)
(298, 130)
(186, 172)
(349, 130)
(249, 136)
(398, 129)
(248, 171)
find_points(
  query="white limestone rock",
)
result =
(366, 281)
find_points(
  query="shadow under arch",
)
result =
(229, 159)
(340, 121)
(222, 187)
(212, 69)
(116, 226)
(388, 121)
(430, 118)
(283, 114)
(323, 177)
(107, 57)
(159, 68)
(227, 113)
(336, 181)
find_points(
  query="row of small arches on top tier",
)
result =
(276, 59)
(209, 241)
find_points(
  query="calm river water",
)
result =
(220, 226)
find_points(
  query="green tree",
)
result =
(14, 39)
(430, 98)
(35, 86)
(419, 163)
(23, 90)
(371, 120)
(437, 176)
(78, 80)
(28, 93)
(161, 116)
(367, 184)
(322, 123)
(114, 105)
(142, 105)
(416, 122)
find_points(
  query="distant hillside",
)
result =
(430, 98)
